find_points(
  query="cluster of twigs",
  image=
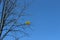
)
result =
(9, 19)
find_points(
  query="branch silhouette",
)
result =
(10, 18)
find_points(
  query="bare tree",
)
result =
(10, 18)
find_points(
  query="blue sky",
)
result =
(45, 20)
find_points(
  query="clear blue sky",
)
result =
(45, 20)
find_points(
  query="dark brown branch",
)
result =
(2, 17)
(11, 7)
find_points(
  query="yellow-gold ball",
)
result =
(27, 22)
